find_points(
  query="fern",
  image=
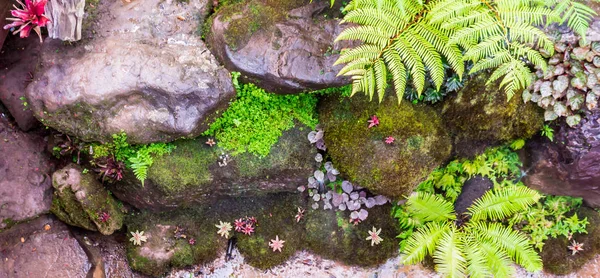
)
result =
(502, 203)
(398, 41)
(408, 40)
(478, 248)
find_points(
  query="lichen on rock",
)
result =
(80, 200)
(361, 154)
(480, 115)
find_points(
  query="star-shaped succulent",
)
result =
(211, 142)
(138, 237)
(389, 140)
(374, 236)
(374, 121)
(224, 228)
(248, 229)
(276, 244)
(300, 214)
(575, 247)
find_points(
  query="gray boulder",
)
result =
(283, 46)
(43, 247)
(25, 185)
(145, 73)
(571, 164)
(19, 59)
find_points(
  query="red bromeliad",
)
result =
(30, 16)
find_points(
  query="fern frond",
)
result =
(380, 78)
(429, 207)
(501, 203)
(413, 61)
(357, 64)
(368, 34)
(487, 48)
(516, 244)
(497, 260)
(500, 58)
(388, 21)
(449, 255)
(536, 15)
(431, 58)
(423, 242)
(530, 35)
(476, 258)
(397, 70)
(365, 51)
(439, 40)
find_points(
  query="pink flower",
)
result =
(239, 225)
(248, 230)
(29, 16)
(389, 140)
(374, 121)
(276, 244)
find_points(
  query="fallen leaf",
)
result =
(22, 239)
(47, 227)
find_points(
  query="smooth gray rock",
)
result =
(25, 184)
(145, 73)
(293, 54)
(29, 250)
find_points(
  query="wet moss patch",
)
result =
(556, 256)
(421, 142)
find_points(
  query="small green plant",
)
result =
(24, 102)
(136, 157)
(474, 245)
(256, 119)
(549, 219)
(548, 132)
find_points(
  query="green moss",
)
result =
(420, 145)
(256, 119)
(558, 259)
(331, 235)
(249, 17)
(480, 115)
(86, 129)
(184, 255)
(143, 264)
(187, 165)
(67, 209)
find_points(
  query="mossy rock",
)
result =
(480, 115)
(327, 233)
(275, 214)
(360, 153)
(331, 235)
(246, 17)
(80, 200)
(191, 174)
(558, 259)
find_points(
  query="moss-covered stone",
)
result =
(330, 234)
(80, 200)
(558, 259)
(325, 232)
(479, 116)
(360, 153)
(191, 174)
(251, 16)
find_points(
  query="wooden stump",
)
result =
(66, 18)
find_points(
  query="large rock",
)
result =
(25, 184)
(33, 249)
(145, 73)
(283, 46)
(325, 232)
(361, 154)
(571, 164)
(191, 174)
(80, 200)
(19, 60)
(479, 116)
